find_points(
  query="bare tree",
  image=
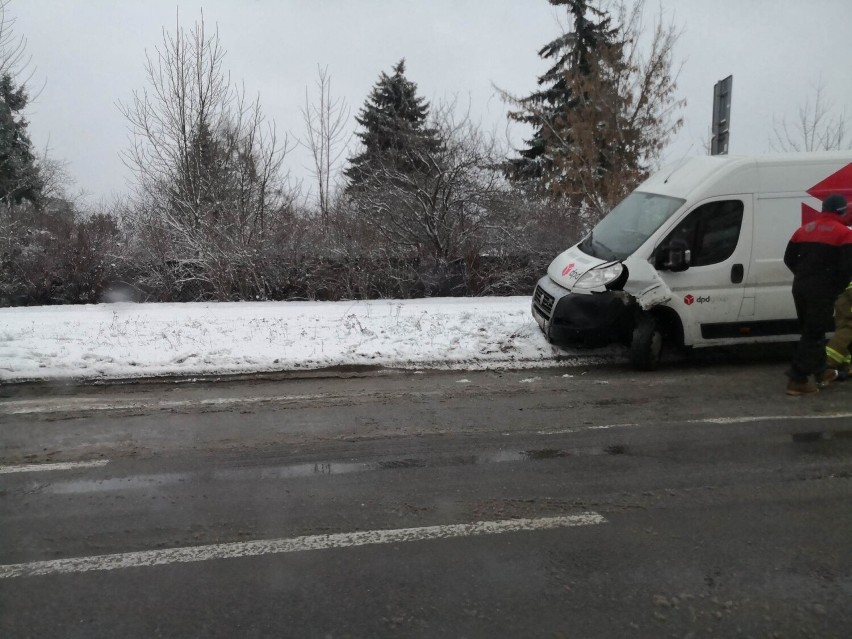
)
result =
(437, 210)
(622, 114)
(629, 101)
(816, 128)
(326, 138)
(13, 48)
(56, 179)
(208, 167)
(440, 213)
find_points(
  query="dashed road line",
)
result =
(565, 431)
(34, 468)
(295, 544)
(764, 418)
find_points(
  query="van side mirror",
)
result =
(676, 258)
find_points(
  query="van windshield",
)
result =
(629, 224)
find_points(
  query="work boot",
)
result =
(826, 377)
(801, 388)
(843, 369)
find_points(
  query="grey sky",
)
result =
(90, 54)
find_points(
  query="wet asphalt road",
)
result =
(717, 506)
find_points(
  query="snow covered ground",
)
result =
(144, 340)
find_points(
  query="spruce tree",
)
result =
(605, 111)
(394, 129)
(19, 174)
(570, 53)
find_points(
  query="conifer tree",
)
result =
(571, 51)
(606, 109)
(394, 129)
(20, 178)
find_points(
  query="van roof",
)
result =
(730, 174)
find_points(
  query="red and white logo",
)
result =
(838, 182)
(568, 269)
(688, 299)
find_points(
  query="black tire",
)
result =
(646, 346)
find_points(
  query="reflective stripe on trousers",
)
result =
(837, 350)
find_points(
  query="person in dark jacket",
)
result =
(820, 256)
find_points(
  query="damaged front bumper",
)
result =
(591, 319)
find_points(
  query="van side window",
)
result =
(711, 232)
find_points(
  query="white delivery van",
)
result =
(694, 256)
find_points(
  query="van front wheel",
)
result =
(646, 346)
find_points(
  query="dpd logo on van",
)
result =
(688, 300)
(568, 269)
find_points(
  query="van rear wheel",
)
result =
(646, 345)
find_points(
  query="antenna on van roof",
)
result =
(674, 170)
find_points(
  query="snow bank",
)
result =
(143, 340)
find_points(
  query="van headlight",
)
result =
(601, 276)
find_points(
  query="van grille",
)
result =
(543, 302)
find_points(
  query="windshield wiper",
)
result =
(608, 252)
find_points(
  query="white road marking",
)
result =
(34, 468)
(294, 544)
(761, 418)
(743, 419)
(608, 426)
(563, 431)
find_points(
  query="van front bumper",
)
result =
(593, 319)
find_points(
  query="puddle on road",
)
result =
(820, 435)
(401, 463)
(546, 453)
(136, 482)
(313, 469)
(616, 449)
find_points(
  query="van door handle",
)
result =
(737, 272)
